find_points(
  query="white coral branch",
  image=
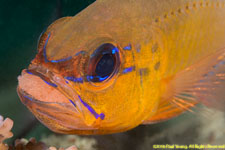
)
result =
(5, 128)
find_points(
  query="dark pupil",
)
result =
(105, 66)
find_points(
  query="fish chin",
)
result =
(47, 102)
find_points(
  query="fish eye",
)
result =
(103, 63)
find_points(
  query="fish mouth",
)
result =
(52, 100)
(43, 85)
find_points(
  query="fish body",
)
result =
(118, 64)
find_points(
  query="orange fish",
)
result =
(119, 64)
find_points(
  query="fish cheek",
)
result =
(118, 100)
(118, 97)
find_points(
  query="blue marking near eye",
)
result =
(101, 115)
(74, 79)
(72, 103)
(102, 78)
(80, 52)
(49, 83)
(61, 60)
(97, 77)
(138, 48)
(45, 55)
(90, 78)
(114, 50)
(128, 47)
(126, 70)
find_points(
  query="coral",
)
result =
(3, 146)
(32, 144)
(22, 144)
(82, 143)
(5, 128)
(5, 131)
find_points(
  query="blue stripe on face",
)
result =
(126, 70)
(128, 47)
(61, 60)
(80, 52)
(72, 103)
(49, 83)
(74, 79)
(101, 115)
(44, 49)
(45, 55)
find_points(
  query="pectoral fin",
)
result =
(203, 82)
(168, 110)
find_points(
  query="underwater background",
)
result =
(21, 23)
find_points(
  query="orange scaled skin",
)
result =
(162, 35)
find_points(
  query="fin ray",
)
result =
(202, 82)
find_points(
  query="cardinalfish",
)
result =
(119, 64)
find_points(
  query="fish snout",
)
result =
(55, 103)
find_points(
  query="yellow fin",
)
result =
(167, 110)
(202, 82)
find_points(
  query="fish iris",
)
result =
(105, 66)
(103, 63)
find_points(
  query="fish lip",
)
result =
(26, 98)
(40, 71)
(62, 86)
(43, 73)
(69, 94)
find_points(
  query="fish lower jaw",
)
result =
(34, 89)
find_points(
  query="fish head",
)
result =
(84, 79)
